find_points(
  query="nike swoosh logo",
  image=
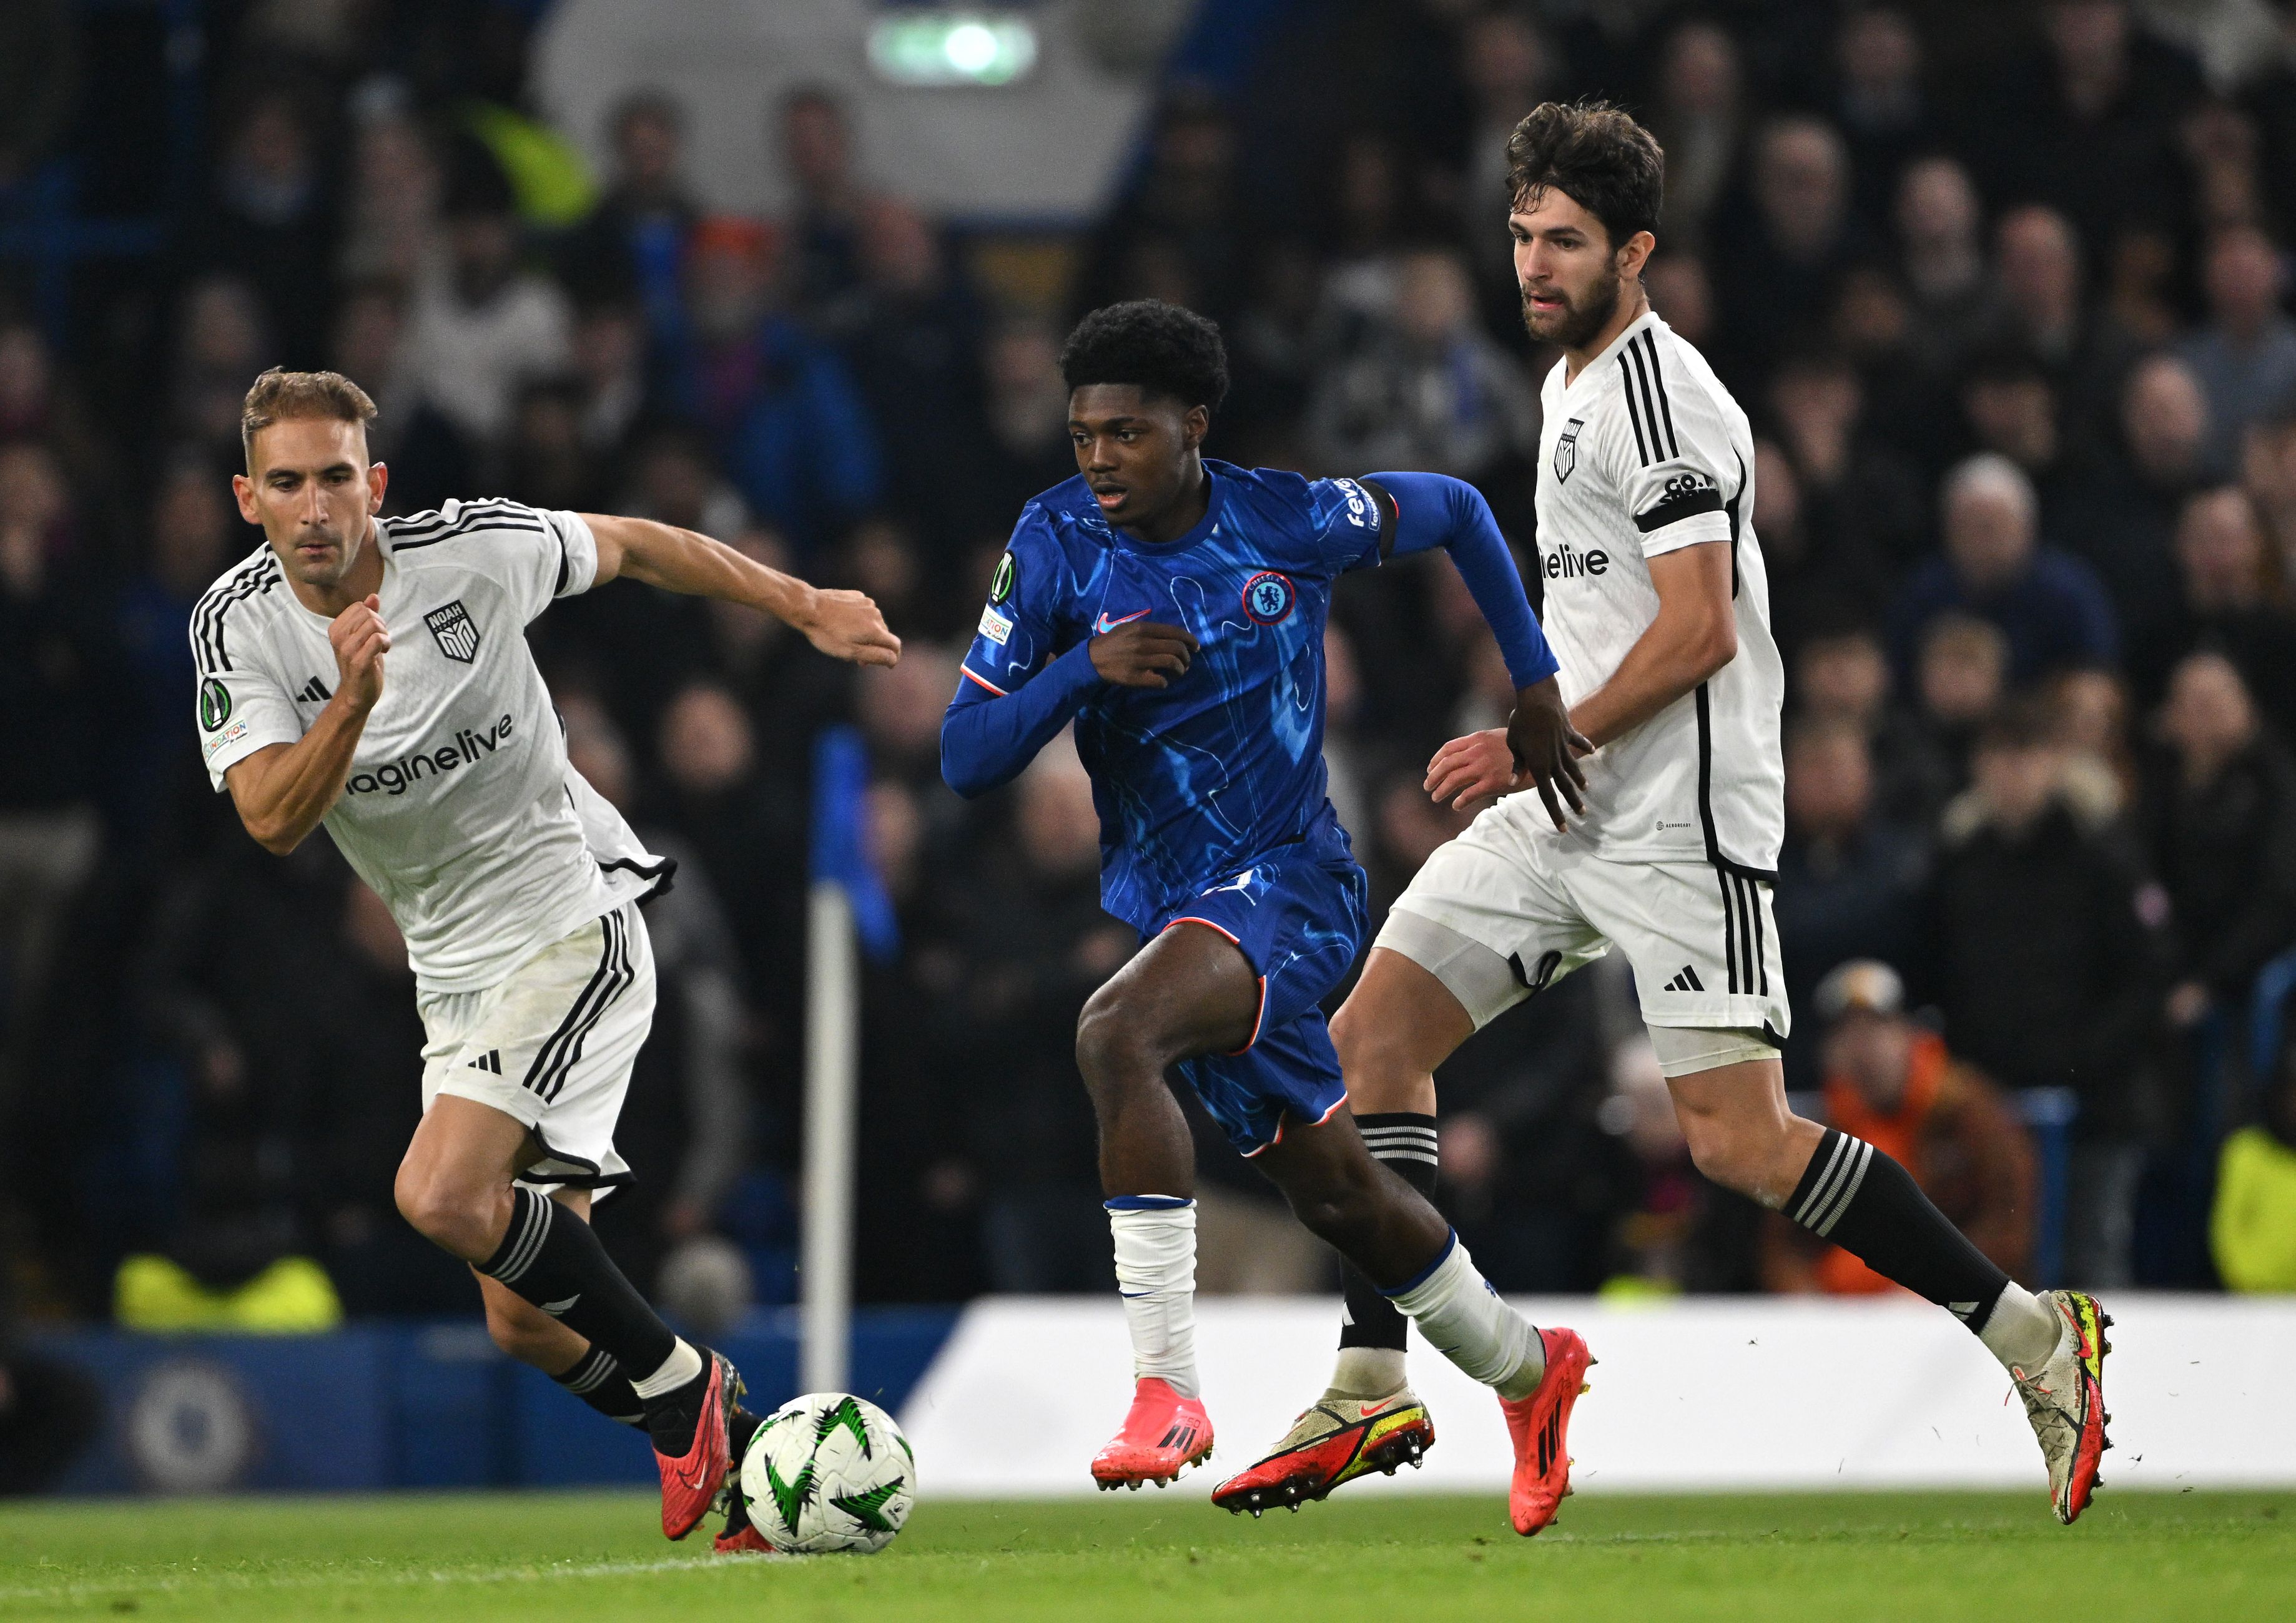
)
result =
(555, 1308)
(1103, 625)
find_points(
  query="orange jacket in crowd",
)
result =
(1955, 1132)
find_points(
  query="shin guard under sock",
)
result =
(1372, 1329)
(1869, 1205)
(550, 1257)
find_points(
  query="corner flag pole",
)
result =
(847, 907)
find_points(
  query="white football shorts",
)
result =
(1516, 907)
(553, 1046)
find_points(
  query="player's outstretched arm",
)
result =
(285, 791)
(843, 625)
(1433, 510)
(1695, 634)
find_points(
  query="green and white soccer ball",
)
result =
(829, 1471)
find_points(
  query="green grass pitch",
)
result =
(2220, 1557)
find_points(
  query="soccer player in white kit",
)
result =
(1658, 607)
(448, 789)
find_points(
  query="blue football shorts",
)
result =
(1299, 923)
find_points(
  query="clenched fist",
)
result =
(1141, 653)
(361, 639)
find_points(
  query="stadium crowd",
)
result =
(2006, 291)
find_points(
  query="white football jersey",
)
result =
(461, 809)
(1644, 452)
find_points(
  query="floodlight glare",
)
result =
(983, 48)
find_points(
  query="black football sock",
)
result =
(599, 1381)
(1405, 1140)
(1869, 1205)
(550, 1257)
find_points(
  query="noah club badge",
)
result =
(456, 633)
(1566, 449)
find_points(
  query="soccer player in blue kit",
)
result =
(1173, 607)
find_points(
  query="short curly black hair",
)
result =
(1158, 348)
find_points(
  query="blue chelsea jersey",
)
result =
(1196, 780)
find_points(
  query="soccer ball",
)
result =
(829, 1471)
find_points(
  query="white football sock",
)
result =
(2024, 1330)
(683, 1365)
(1156, 1272)
(1365, 1372)
(1463, 1319)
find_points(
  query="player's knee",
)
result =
(441, 1212)
(1342, 1210)
(1725, 1151)
(1111, 1050)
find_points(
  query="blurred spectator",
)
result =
(746, 829)
(1699, 121)
(2122, 520)
(482, 325)
(2040, 309)
(1679, 292)
(1430, 389)
(391, 228)
(2044, 956)
(1028, 420)
(816, 154)
(1781, 254)
(2088, 715)
(2221, 826)
(1273, 346)
(1653, 1238)
(630, 247)
(190, 529)
(2268, 473)
(1843, 675)
(1894, 1084)
(912, 338)
(1941, 258)
(545, 463)
(2010, 407)
(227, 1238)
(2245, 358)
(2048, 604)
(609, 352)
(40, 82)
(1030, 1124)
(37, 402)
(269, 222)
(2252, 1234)
(1881, 105)
(796, 437)
(2221, 603)
(2090, 121)
(369, 1059)
(1849, 882)
(222, 344)
(1861, 501)
(687, 1117)
(54, 651)
(1183, 207)
(1508, 66)
(1961, 681)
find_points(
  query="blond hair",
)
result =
(279, 396)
